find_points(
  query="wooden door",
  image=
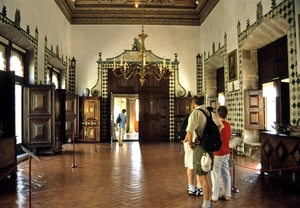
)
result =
(153, 124)
(72, 115)
(39, 116)
(183, 105)
(112, 118)
(60, 119)
(7, 103)
(8, 159)
(153, 119)
(254, 110)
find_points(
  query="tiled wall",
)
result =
(234, 90)
(285, 10)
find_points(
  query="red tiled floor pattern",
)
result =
(133, 175)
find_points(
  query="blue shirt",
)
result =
(123, 120)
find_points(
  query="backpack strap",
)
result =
(207, 117)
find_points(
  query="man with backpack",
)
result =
(193, 188)
(196, 125)
(121, 121)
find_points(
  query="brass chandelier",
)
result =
(128, 69)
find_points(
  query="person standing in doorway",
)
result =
(197, 122)
(122, 127)
(221, 157)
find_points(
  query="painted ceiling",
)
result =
(124, 12)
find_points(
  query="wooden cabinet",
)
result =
(44, 118)
(72, 115)
(183, 105)
(89, 111)
(8, 159)
(280, 157)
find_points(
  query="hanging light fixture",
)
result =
(128, 69)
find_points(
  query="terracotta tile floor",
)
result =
(133, 175)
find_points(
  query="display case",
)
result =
(183, 105)
(89, 128)
(8, 159)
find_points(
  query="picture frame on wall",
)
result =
(212, 102)
(232, 66)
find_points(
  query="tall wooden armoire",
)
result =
(72, 115)
(44, 118)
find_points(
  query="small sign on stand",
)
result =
(31, 155)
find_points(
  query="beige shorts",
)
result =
(188, 156)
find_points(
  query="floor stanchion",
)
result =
(73, 164)
(233, 188)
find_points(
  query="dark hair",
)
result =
(211, 109)
(198, 99)
(222, 111)
(123, 111)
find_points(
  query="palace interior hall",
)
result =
(69, 68)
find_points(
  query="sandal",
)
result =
(227, 198)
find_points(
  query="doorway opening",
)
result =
(277, 105)
(130, 103)
(269, 93)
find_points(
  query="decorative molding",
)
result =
(10, 30)
(124, 13)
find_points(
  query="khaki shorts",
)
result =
(188, 156)
(198, 152)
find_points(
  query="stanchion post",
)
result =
(233, 188)
(73, 164)
(96, 145)
(29, 181)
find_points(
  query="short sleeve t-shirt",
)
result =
(197, 121)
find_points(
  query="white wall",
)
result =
(112, 40)
(224, 19)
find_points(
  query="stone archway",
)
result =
(212, 64)
(264, 34)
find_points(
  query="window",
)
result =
(53, 76)
(2, 58)
(269, 93)
(18, 113)
(16, 63)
